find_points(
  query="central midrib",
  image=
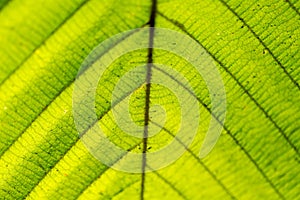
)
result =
(147, 95)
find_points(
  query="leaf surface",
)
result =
(254, 45)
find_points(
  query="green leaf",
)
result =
(254, 45)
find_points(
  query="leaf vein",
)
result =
(62, 90)
(269, 117)
(44, 41)
(230, 134)
(263, 44)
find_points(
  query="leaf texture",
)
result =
(255, 46)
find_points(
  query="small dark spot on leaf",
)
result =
(265, 51)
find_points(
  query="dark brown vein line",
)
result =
(81, 135)
(147, 97)
(67, 86)
(44, 41)
(197, 159)
(293, 6)
(260, 170)
(269, 117)
(263, 44)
